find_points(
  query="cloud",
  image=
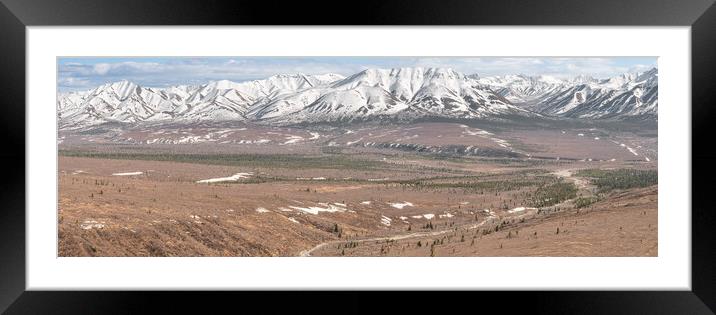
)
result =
(193, 71)
(73, 82)
(559, 66)
(129, 68)
(640, 68)
(102, 68)
(159, 72)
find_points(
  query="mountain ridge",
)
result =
(623, 96)
(401, 94)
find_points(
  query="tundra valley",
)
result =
(381, 162)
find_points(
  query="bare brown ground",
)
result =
(164, 212)
(623, 226)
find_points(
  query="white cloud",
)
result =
(102, 68)
(73, 82)
(169, 71)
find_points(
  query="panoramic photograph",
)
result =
(357, 156)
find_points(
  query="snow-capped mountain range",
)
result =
(402, 94)
(626, 95)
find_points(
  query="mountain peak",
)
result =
(221, 85)
(287, 76)
(122, 88)
(401, 93)
(116, 85)
(411, 70)
(549, 79)
(387, 76)
(653, 71)
(582, 79)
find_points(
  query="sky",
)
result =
(82, 73)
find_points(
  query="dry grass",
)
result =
(164, 212)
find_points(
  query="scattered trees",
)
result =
(607, 180)
(552, 194)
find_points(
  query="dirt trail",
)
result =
(581, 183)
(491, 218)
(585, 189)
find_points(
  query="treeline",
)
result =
(552, 194)
(251, 160)
(470, 186)
(582, 202)
(607, 180)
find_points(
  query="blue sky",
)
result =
(79, 73)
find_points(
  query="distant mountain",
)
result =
(223, 100)
(400, 94)
(624, 96)
(403, 94)
(392, 94)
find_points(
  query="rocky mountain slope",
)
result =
(400, 94)
(624, 96)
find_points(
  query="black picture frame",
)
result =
(16, 15)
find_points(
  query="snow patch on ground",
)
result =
(325, 207)
(293, 220)
(424, 216)
(475, 132)
(260, 141)
(92, 224)
(446, 215)
(485, 134)
(310, 178)
(401, 205)
(367, 202)
(261, 210)
(385, 220)
(354, 142)
(563, 173)
(520, 209)
(128, 174)
(232, 178)
(501, 142)
(293, 139)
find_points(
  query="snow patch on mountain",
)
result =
(399, 94)
(625, 95)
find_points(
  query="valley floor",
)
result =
(417, 192)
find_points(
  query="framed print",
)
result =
(417, 146)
